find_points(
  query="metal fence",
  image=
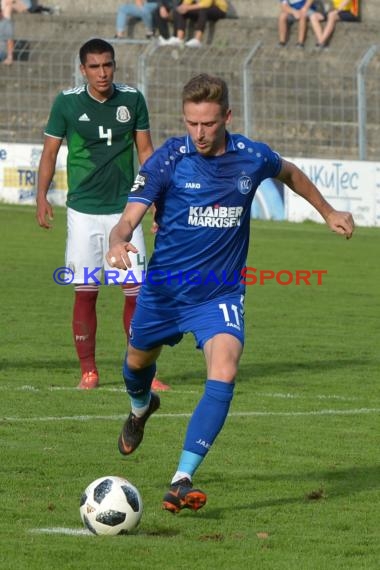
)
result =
(305, 103)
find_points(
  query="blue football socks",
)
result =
(138, 383)
(205, 424)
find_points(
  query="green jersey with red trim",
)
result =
(100, 143)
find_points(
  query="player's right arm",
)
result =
(44, 212)
(121, 234)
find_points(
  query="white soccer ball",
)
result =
(111, 505)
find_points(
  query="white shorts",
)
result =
(87, 244)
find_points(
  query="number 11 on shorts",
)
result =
(231, 316)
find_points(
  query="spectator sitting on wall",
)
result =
(162, 17)
(7, 9)
(6, 39)
(20, 6)
(344, 11)
(199, 12)
(138, 9)
(10, 6)
(296, 11)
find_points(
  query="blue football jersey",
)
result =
(203, 206)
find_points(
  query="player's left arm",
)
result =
(144, 145)
(340, 222)
(121, 234)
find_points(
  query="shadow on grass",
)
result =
(332, 483)
(261, 370)
(38, 364)
(247, 372)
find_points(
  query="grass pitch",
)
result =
(293, 479)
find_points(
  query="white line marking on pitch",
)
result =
(289, 396)
(358, 411)
(62, 530)
(276, 395)
(28, 388)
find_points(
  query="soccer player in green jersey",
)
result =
(102, 122)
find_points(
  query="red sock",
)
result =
(130, 291)
(84, 325)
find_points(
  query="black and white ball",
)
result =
(111, 505)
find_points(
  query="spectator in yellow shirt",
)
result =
(341, 10)
(199, 12)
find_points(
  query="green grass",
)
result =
(293, 479)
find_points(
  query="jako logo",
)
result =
(195, 185)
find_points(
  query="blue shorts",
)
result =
(160, 320)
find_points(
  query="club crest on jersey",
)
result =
(123, 115)
(244, 184)
(139, 182)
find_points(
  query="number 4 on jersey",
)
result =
(105, 135)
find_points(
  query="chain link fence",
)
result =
(306, 103)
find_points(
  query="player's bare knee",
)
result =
(139, 359)
(226, 373)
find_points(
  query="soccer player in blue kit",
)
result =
(202, 186)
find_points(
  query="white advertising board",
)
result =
(18, 174)
(348, 185)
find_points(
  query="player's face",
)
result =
(98, 72)
(206, 125)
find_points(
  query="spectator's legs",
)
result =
(332, 18)
(10, 48)
(315, 22)
(6, 8)
(205, 15)
(8, 30)
(161, 21)
(180, 25)
(125, 13)
(147, 16)
(283, 24)
(302, 26)
(200, 23)
(9, 6)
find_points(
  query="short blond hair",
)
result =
(206, 88)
